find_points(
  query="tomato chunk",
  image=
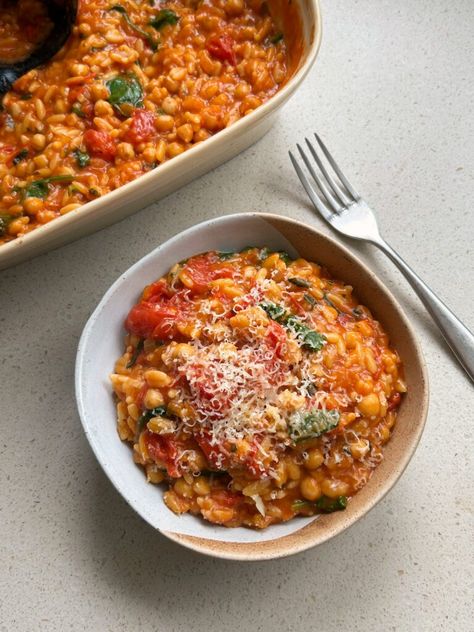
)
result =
(199, 271)
(345, 318)
(226, 498)
(298, 309)
(164, 449)
(394, 401)
(75, 93)
(100, 144)
(158, 315)
(222, 47)
(220, 458)
(141, 396)
(142, 127)
(156, 291)
(276, 338)
(252, 460)
(152, 320)
(215, 455)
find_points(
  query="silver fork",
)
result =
(344, 210)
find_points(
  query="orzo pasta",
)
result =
(137, 83)
(256, 387)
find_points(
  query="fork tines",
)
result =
(333, 194)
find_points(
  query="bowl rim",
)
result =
(62, 223)
(234, 550)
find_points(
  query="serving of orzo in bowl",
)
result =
(250, 387)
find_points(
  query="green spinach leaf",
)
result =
(164, 17)
(225, 254)
(136, 352)
(77, 110)
(299, 282)
(277, 38)
(331, 304)
(212, 473)
(324, 504)
(159, 411)
(328, 505)
(40, 188)
(309, 338)
(285, 257)
(310, 425)
(82, 158)
(21, 155)
(151, 41)
(125, 93)
(276, 312)
(4, 221)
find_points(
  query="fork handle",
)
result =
(457, 335)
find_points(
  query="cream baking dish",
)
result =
(173, 174)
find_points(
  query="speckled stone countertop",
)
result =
(392, 94)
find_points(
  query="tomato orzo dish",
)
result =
(255, 387)
(137, 83)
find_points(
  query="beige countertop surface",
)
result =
(392, 94)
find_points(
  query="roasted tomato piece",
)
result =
(81, 91)
(207, 389)
(226, 507)
(152, 320)
(276, 338)
(141, 396)
(216, 457)
(156, 291)
(222, 47)
(199, 271)
(345, 318)
(394, 401)
(74, 93)
(157, 317)
(100, 144)
(142, 127)
(226, 498)
(166, 450)
(252, 459)
(220, 458)
(297, 308)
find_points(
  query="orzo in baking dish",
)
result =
(255, 387)
(138, 82)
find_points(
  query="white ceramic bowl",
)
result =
(177, 172)
(102, 343)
